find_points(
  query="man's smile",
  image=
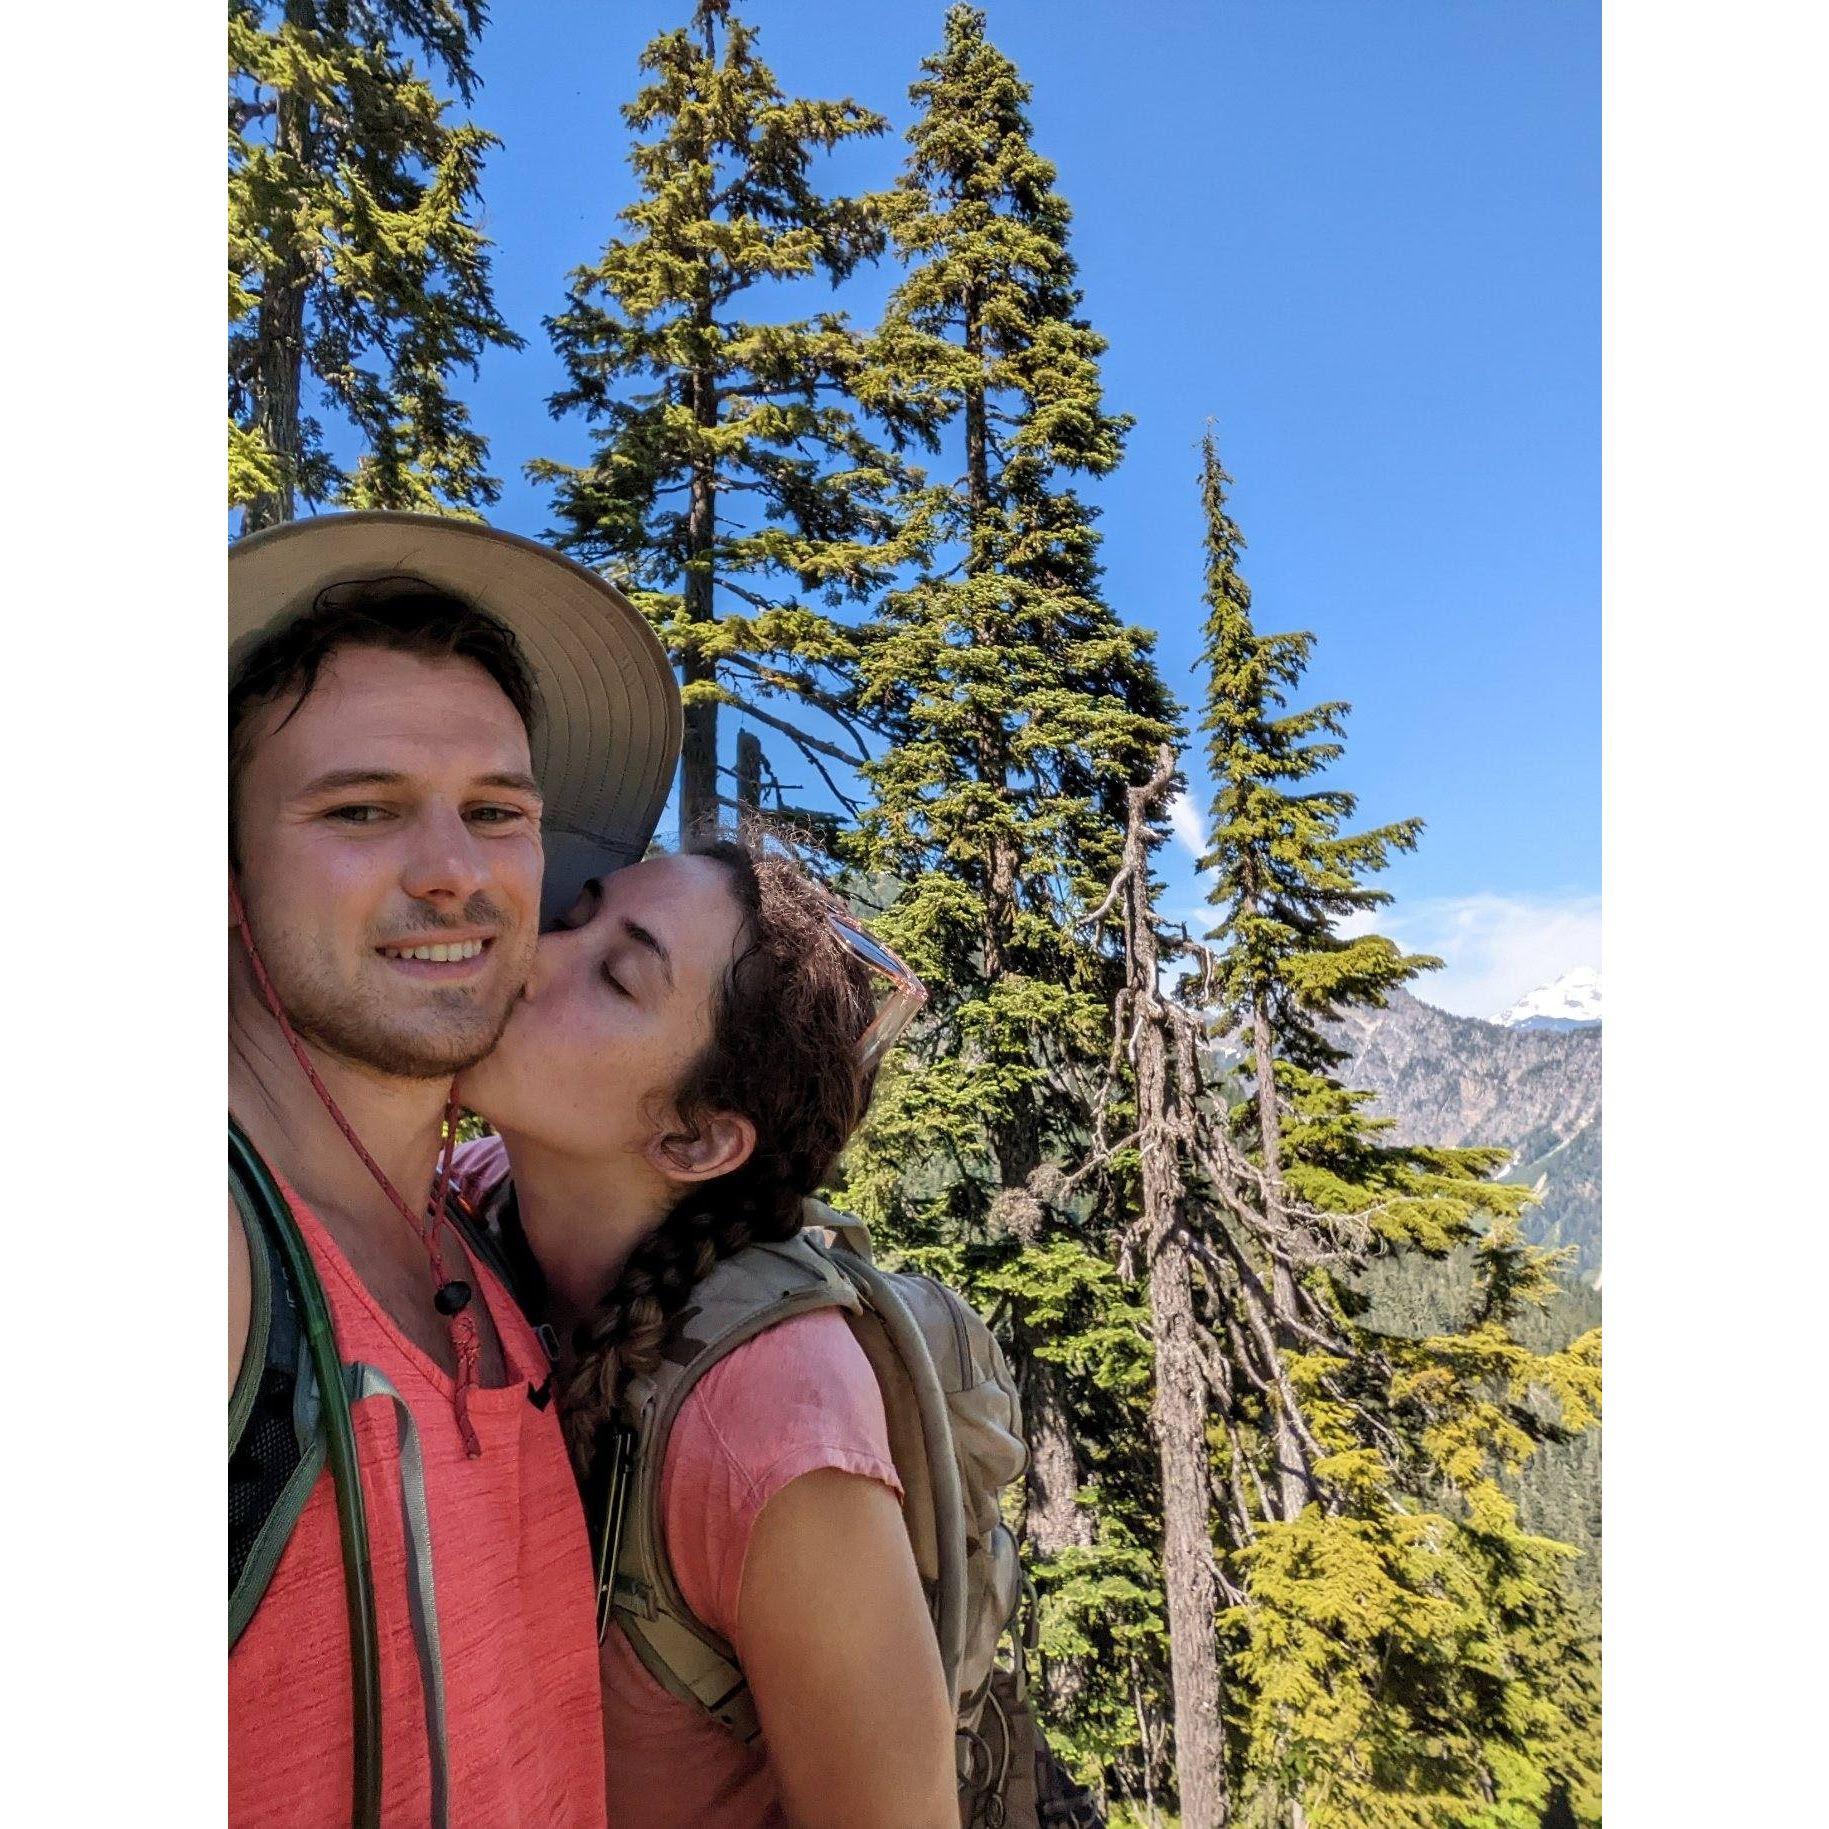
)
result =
(441, 959)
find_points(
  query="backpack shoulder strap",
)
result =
(302, 1405)
(747, 1293)
(484, 1230)
(491, 1228)
(276, 1445)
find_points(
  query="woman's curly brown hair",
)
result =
(783, 1053)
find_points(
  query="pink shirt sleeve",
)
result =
(799, 1397)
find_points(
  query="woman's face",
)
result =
(615, 1013)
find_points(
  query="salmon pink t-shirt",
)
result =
(795, 1399)
(515, 1598)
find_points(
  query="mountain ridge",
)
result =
(1459, 1080)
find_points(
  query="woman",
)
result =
(684, 1067)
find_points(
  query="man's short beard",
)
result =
(443, 1029)
(356, 1035)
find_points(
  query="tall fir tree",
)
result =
(1285, 873)
(1410, 1657)
(358, 277)
(1018, 708)
(734, 484)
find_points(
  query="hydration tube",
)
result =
(340, 1444)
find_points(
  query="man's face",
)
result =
(393, 815)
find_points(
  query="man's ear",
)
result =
(724, 1141)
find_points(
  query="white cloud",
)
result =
(1494, 948)
(1189, 827)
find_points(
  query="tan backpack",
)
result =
(955, 1432)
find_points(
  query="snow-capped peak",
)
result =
(1569, 1002)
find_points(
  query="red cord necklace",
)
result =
(451, 1296)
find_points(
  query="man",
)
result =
(426, 716)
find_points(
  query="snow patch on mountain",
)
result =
(1569, 1002)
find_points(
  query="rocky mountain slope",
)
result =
(1534, 1090)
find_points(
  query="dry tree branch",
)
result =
(803, 739)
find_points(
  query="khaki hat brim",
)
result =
(608, 739)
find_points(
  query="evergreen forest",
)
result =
(1311, 1506)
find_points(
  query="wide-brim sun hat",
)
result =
(608, 736)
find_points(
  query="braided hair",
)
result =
(783, 1053)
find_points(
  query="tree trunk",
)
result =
(1003, 862)
(749, 780)
(1178, 1413)
(699, 744)
(977, 447)
(1179, 1408)
(1000, 871)
(1295, 1488)
(1146, 1742)
(1054, 1520)
(279, 330)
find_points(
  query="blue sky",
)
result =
(1363, 239)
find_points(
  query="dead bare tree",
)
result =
(1223, 1244)
(1164, 1133)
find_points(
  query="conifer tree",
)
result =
(1409, 1655)
(732, 484)
(1019, 708)
(1286, 873)
(358, 279)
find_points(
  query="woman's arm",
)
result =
(839, 1650)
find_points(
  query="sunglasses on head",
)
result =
(906, 996)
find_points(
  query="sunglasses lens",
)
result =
(907, 996)
(881, 1036)
(871, 951)
(866, 948)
